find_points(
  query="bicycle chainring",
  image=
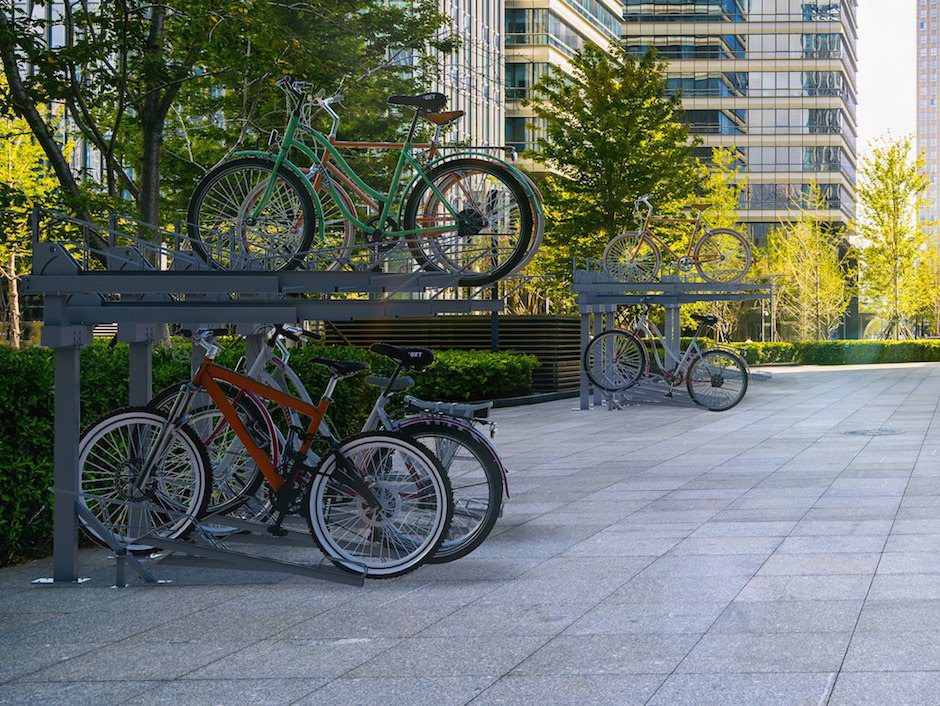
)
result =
(685, 264)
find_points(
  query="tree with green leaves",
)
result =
(891, 187)
(920, 294)
(723, 185)
(611, 134)
(815, 264)
(25, 181)
(162, 91)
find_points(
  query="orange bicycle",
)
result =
(719, 255)
(375, 503)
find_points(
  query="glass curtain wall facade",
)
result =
(86, 161)
(541, 34)
(472, 77)
(928, 85)
(776, 80)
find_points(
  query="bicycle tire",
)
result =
(370, 451)
(738, 271)
(234, 221)
(634, 269)
(253, 420)
(626, 351)
(696, 379)
(109, 508)
(431, 256)
(462, 536)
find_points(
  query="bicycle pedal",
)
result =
(277, 531)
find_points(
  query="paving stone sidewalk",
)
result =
(659, 554)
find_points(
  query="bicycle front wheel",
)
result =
(717, 380)
(227, 230)
(615, 360)
(631, 257)
(411, 519)
(722, 255)
(488, 239)
(475, 478)
(166, 504)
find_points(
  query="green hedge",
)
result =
(26, 435)
(841, 352)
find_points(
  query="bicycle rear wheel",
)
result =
(717, 379)
(416, 505)
(722, 255)
(476, 481)
(490, 237)
(615, 360)
(167, 504)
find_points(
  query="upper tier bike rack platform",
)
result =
(116, 281)
(89, 274)
(600, 297)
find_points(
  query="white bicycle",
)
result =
(716, 378)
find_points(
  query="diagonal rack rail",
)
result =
(143, 278)
(600, 297)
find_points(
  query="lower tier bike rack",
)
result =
(80, 291)
(203, 548)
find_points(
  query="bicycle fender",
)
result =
(469, 428)
(299, 172)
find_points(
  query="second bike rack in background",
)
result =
(599, 299)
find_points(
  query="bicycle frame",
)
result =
(285, 378)
(332, 162)
(207, 377)
(681, 359)
(647, 231)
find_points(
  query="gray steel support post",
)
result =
(196, 355)
(609, 346)
(673, 328)
(254, 343)
(585, 339)
(65, 460)
(140, 364)
(598, 330)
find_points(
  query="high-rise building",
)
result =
(774, 79)
(472, 76)
(542, 34)
(928, 113)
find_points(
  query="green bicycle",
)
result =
(466, 213)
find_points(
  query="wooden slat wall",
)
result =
(551, 339)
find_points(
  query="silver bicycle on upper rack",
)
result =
(616, 360)
(450, 431)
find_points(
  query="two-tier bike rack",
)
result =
(143, 279)
(600, 297)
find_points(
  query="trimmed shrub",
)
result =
(26, 405)
(841, 352)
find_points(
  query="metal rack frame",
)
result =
(84, 284)
(599, 297)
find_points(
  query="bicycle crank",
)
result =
(685, 264)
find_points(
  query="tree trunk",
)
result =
(14, 303)
(149, 198)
